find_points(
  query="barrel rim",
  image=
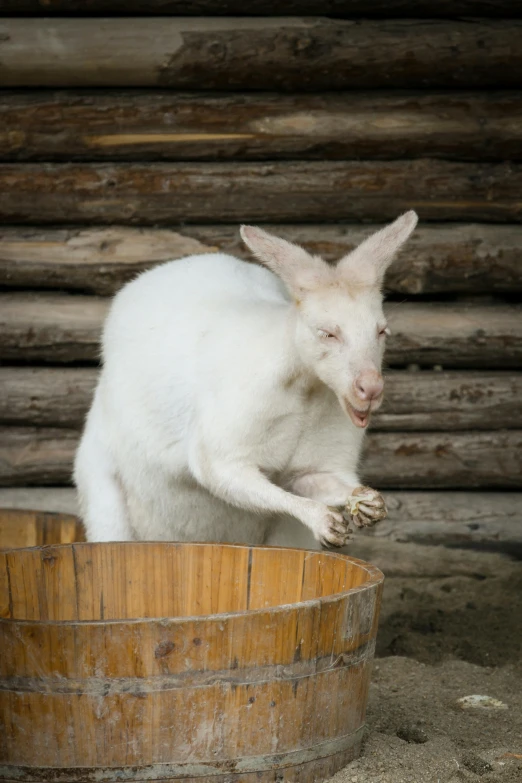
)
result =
(375, 579)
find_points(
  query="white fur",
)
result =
(221, 410)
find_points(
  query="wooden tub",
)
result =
(195, 662)
(19, 528)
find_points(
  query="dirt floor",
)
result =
(451, 627)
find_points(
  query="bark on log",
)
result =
(60, 499)
(469, 259)
(262, 54)
(163, 193)
(414, 401)
(336, 8)
(61, 328)
(433, 401)
(486, 519)
(455, 335)
(40, 456)
(422, 562)
(65, 126)
(44, 396)
(32, 456)
(51, 328)
(453, 460)
(95, 260)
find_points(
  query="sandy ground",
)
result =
(451, 626)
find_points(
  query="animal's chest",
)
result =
(282, 431)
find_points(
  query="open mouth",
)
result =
(359, 418)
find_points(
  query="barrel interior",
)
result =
(125, 581)
(22, 528)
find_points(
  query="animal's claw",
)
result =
(367, 507)
(337, 528)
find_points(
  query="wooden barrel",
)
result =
(21, 528)
(196, 662)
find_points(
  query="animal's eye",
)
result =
(324, 334)
(384, 330)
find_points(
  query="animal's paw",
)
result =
(333, 528)
(366, 506)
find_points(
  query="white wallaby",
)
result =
(233, 398)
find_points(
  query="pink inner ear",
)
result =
(297, 269)
(367, 264)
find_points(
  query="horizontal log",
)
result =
(61, 328)
(51, 328)
(485, 519)
(166, 193)
(469, 259)
(95, 260)
(136, 125)
(452, 460)
(32, 456)
(489, 520)
(455, 335)
(58, 499)
(42, 456)
(431, 401)
(414, 401)
(43, 396)
(287, 53)
(400, 560)
(336, 8)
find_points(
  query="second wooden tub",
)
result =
(196, 662)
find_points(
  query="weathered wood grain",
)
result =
(167, 193)
(414, 401)
(137, 125)
(287, 53)
(36, 456)
(51, 397)
(438, 401)
(33, 456)
(469, 259)
(23, 528)
(95, 260)
(452, 460)
(422, 562)
(139, 641)
(61, 328)
(455, 335)
(59, 499)
(54, 327)
(490, 519)
(336, 8)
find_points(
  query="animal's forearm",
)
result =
(325, 487)
(245, 486)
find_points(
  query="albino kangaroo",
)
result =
(233, 399)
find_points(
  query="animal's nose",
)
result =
(369, 385)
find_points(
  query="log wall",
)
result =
(158, 193)
(135, 133)
(240, 53)
(139, 125)
(440, 259)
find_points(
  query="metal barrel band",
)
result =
(106, 686)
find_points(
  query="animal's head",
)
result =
(341, 328)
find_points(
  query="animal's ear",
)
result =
(369, 261)
(297, 269)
